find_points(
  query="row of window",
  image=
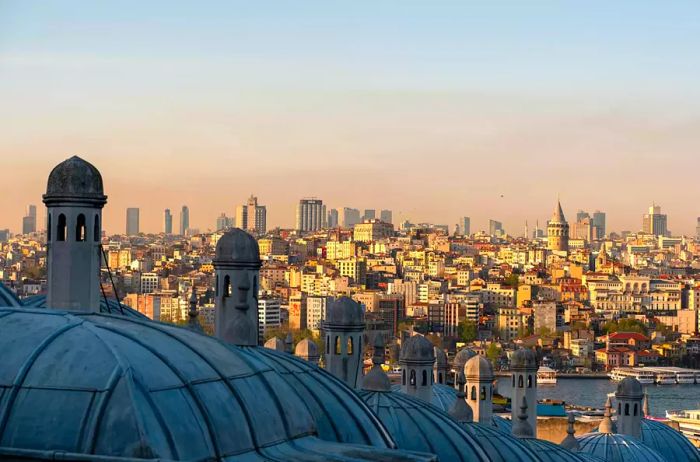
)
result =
(520, 381)
(412, 378)
(337, 345)
(80, 228)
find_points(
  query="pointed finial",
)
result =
(606, 426)
(645, 405)
(289, 343)
(193, 313)
(522, 428)
(570, 442)
(460, 410)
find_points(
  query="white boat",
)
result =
(683, 376)
(665, 378)
(546, 376)
(645, 377)
(688, 423)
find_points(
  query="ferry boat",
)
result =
(645, 377)
(688, 423)
(546, 376)
(664, 377)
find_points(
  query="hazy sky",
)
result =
(433, 109)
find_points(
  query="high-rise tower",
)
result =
(558, 231)
(167, 222)
(184, 220)
(74, 198)
(132, 221)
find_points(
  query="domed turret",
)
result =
(523, 365)
(237, 264)
(667, 441)
(612, 447)
(460, 359)
(629, 396)
(442, 367)
(479, 391)
(416, 359)
(307, 350)
(343, 327)
(74, 199)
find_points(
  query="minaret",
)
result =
(524, 367)
(416, 360)
(74, 199)
(479, 391)
(570, 442)
(521, 426)
(460, 410)
(558, 231)
(343, 328)
(442, 368)
(237, 265)
(629, 396)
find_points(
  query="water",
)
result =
(594, 392)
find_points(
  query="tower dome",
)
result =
(613, 447)
(524, 358)
(461, 358)
(237, 248)
(75, 180)
(345, 312)
(630, 388)
(100, 386)
(479, 367)
(307, 350)
(417, 349)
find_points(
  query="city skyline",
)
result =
(505, 127)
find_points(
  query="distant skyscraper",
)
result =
(598, 222)
(29, 221)
(333, 218)
(4, 235)
(252, 217)
(242, 216)
(370, 214)
(132, 221)
(223, 222)
(167, 222)
(184, 220)
(495, 228)
(581, 215)
(697, 230)
(386, 216)
(350, 217)
(655, 222)
(558, 231)
(465, 226)
(310, 215)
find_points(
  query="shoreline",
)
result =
(589, 376)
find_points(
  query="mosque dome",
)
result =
(74, 179)
(275, 343)
(8, 297)
(461, 358)
(238, 249)
(307, 349)
(443, 396)
(524, 358)
(502, 424)
(500, 447)
(478, 367)
(94, 385)
(614, 447)
(417, 349)
(345, 311)
(418, 426)
(629, 388)
(549, 452)
(109, 306)
(668, 442)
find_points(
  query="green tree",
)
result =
(467, 331)
(493, 352)
(513, 280)
(625, 325)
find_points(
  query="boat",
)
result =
(546, 376)
(645, 376)
(664, 378)
(688, 423)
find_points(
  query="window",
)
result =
(61, 228)
(635, 409)
(483, 394)
(513, 381)
(529, 381)
(403, 376)
(227, 286)
(216, 286)
(349, 346)
(337, 345)
(424, 382)
(96, 230)
(80, 228)
(412, 378)
(473, 393)
(520, 381)
(328, 344)
(627, 409)
(48, 229)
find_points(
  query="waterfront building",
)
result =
(333, 218)
(223, 222)
(369, 214)
(495, 228)
(598, 222)
(350, 217)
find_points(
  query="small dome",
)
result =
(461, 358)
(345, 311)
(306, 349)
(613, 447)
(275, 343)
(443, 396)
(549, 452)
(629, 388)
(479, 368)
(417, 349)
(75, 178)
(500, 446)
(440, 358)
(668, 442)
(524, 358)
(237, 249)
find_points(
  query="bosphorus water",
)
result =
(593, 392)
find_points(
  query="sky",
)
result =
(433, 109)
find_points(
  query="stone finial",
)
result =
(606, 425)
(645, 406)
(522, 428)
(193, 313)
(570, 442)
(460, 410)
(289, 343)
(376, 379)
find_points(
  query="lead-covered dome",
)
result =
(237, 249)
(461, 358)
(668, 442)
(100, 385)
(500, 447)
(630, 388)
(345, 312)
(479, 368)
(75, 179)
(613, 447)
(523, 358)
(442, 396)
(417, 349)
(549, 452)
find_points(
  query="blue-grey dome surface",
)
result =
(94, 385)
(668, 442)
(8, 297)
(500, 447)
(111, 306)
(443, 397)
(419, 426)
(613, 447)
(549, 452)
(502, 424)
